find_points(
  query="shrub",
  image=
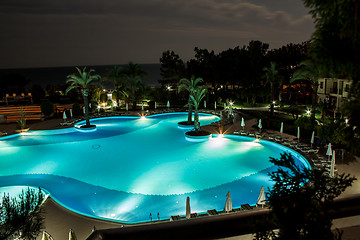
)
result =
(47, 108)
(77, 110)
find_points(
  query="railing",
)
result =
(12, 114)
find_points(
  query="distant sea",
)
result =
(57, 75)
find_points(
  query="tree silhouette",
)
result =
(300, 200)
(22, 215)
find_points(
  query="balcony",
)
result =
(335, 91)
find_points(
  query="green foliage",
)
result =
(22, 121)
(196, 97)
(83, 80)
(300, 200)
(295, 111)
(47, 108)
(77, 110)
(133, 88)
(21, 215)
(336, 133)
(172, 68)
(190, 86)
(335, 42)
(304, 123)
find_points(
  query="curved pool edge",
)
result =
(286, 149)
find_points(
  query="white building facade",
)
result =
(333, 91)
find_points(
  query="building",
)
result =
(334, 91)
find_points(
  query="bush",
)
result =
(47, 108)
(77, 110)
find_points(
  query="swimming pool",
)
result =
(131, 167)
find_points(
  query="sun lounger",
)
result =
(174, 218)
(246, 207)
(243, 133)
(193, 215)
(212, 212)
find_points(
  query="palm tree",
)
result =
(271, 75)
(133, 86)
(83, 80)
(196, 97)
(308, 71)
(115, 76)
(189, 86)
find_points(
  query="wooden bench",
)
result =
(12, 114)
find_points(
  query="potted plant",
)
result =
(22, 122)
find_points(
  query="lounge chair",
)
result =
(174, 218)
(193, 215)
(246, 207)
(212, 212)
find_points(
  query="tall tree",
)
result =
(336, 40)
(134, 88)
(301, 198)
(115, 76)
(83, 80)
(272, 77)
(308, 71)
(172, 68)
(190, 86)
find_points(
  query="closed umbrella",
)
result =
(312, 138)
(45, 236)
(260, 125)
(127, 106)
(281, 128)
(215, 105)
(243, 123)
(188, 210)
(155, 105)
(204, 104)
(332, 166)
(329, 151)
(261, 199)
(71, 114)
(84, 109)
(64, 116)
(168, 104)
(72, 235)
(224, 105)
(142, 106)
(298, 134)
(228, 203)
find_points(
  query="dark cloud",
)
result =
(90, 32)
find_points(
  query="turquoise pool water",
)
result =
(131, 167)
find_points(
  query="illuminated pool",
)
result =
(131, 167)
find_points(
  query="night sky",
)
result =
(48, 33)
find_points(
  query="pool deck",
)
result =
(59, 220)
